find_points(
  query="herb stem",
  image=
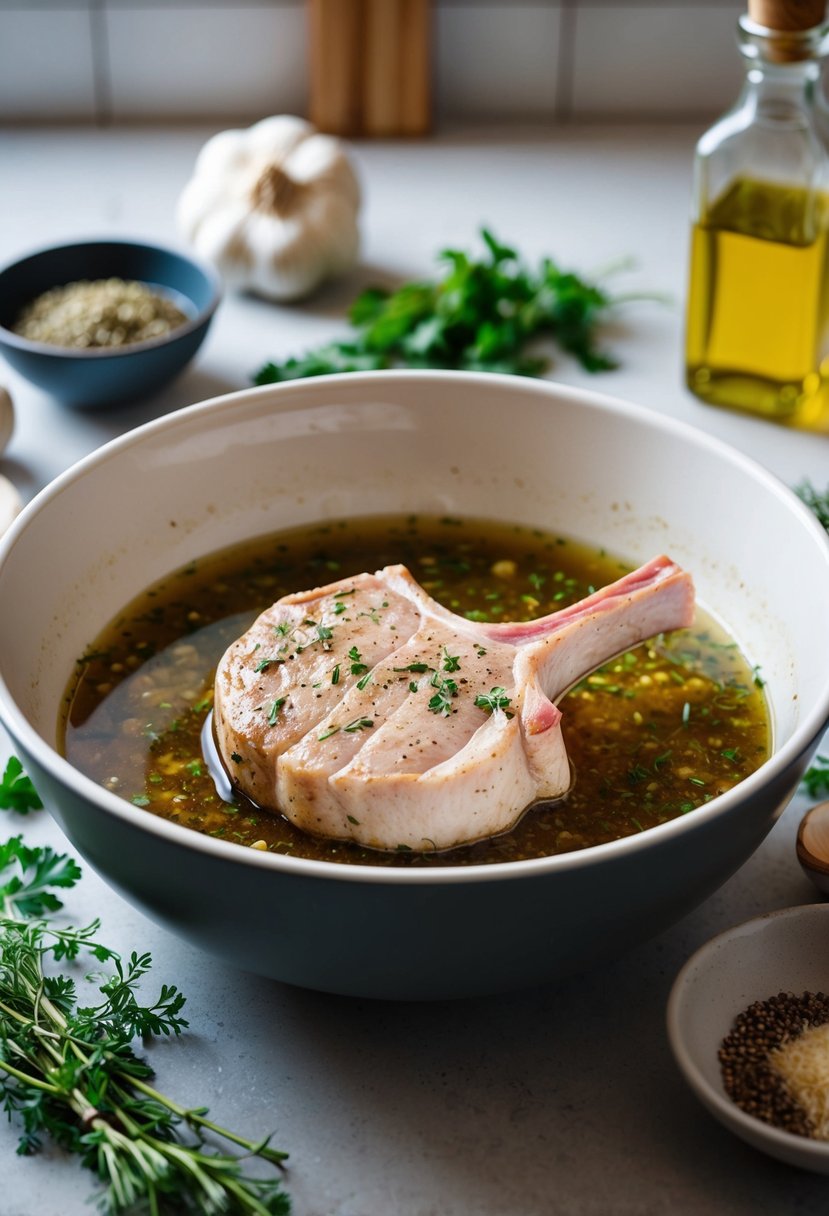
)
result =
(196, 1119)
(28, 1079)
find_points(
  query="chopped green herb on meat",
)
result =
(496, 698)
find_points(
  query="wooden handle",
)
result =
(370, 64)
(335, 76)
(415, 81)
(381, 67)
(787, 16)
(396, 67)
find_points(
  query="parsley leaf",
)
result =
(26, 893)
(16, 790)
(815, 780)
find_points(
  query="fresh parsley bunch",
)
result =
(816, 778)
(816, 500)
(481, 315)
(68, 1068)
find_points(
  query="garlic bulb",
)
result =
(10, 501)
(274, 207)
(6, 417)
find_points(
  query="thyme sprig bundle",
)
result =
(68, 1068)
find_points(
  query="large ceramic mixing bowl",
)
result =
(487, 446)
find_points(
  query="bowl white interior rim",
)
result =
(60, 768)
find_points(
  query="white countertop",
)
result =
(555, 1102)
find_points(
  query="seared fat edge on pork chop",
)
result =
(449, 734)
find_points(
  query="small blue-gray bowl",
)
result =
(102, 376)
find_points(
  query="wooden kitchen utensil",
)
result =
(370, 63)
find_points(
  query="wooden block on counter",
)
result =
(335, 70)
(370, 66)
(396, 67)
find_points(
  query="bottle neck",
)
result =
(782, 48)
(783, 68)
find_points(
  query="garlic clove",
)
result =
(10, 503)
(6, 418)
(813, 845)
(277, 136)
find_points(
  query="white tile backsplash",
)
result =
(198, 61)
(665, 61)
(509, 60)
(46, 64)
(496, 61)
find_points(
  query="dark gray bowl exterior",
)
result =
(105, 377)
(432, 941)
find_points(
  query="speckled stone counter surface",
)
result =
(554, 1102)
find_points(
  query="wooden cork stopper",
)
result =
(787, 16)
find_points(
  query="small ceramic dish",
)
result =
(786, 951)
(107, 375)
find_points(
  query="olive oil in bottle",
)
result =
(758, 297)
(758, 309)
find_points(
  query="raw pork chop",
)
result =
(364, 710)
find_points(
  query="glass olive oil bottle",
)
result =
(758, 297)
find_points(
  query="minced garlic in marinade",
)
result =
(651, 736)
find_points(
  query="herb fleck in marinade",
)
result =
(651, 736)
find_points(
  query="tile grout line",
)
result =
(101, 73)
(563, 109)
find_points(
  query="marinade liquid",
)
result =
(758, 307)
(651, 736)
